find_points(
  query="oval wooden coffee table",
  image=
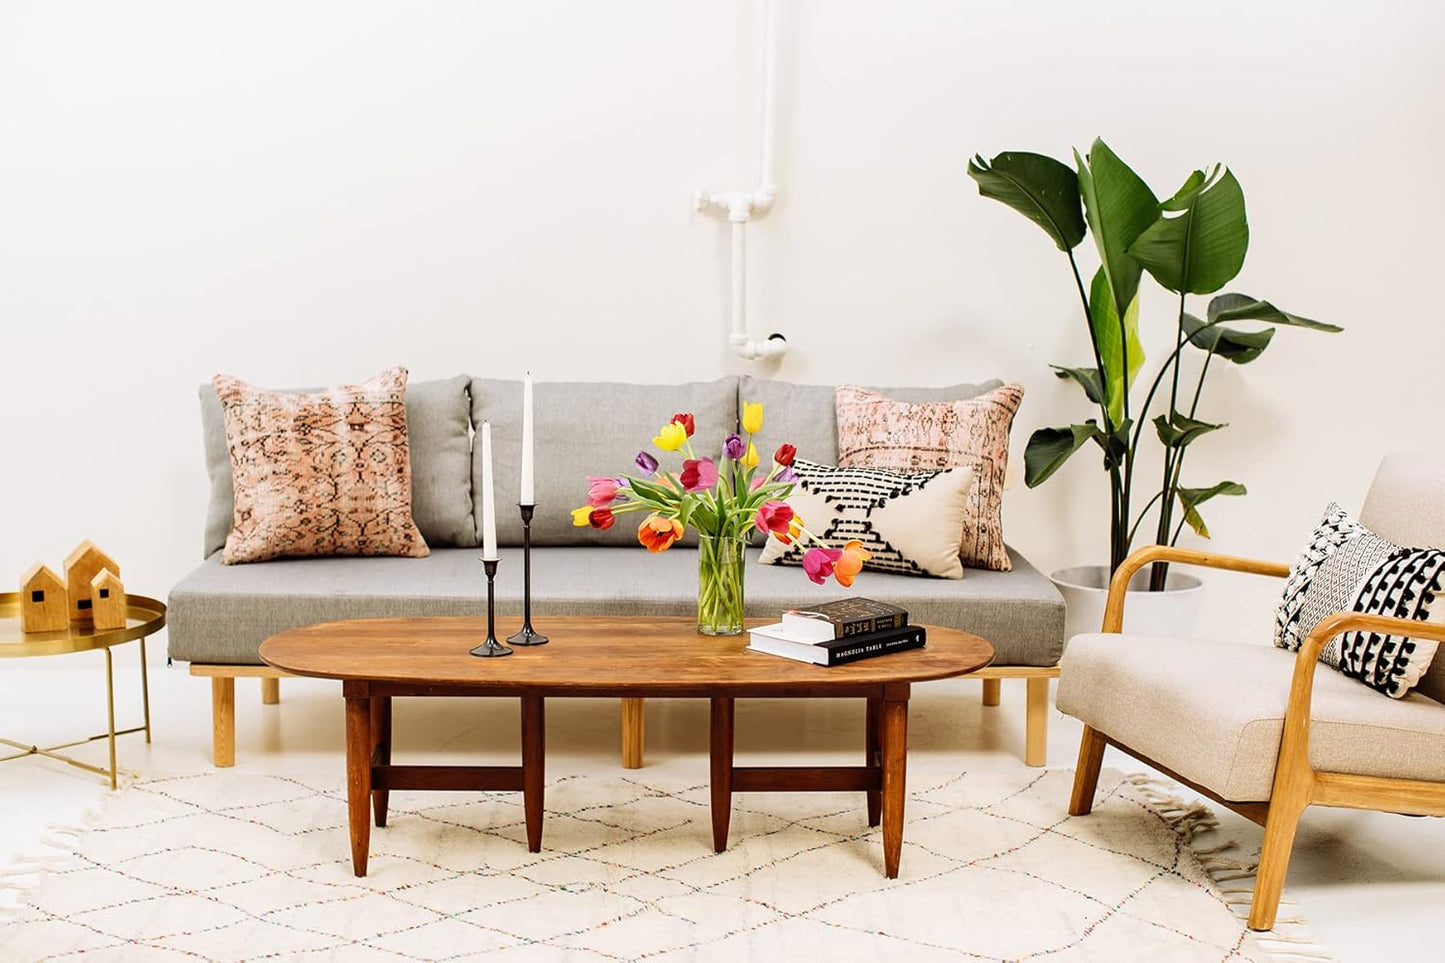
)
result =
(378, 659)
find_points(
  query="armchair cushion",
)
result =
(1214, 712)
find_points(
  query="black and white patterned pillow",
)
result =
(909, 521)
(1348, 568)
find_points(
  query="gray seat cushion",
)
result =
(1214, 712)
(221, 614)
(581, 429)
(804, 415)
(438, 426)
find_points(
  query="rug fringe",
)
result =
(1290, 940)
(26, 871)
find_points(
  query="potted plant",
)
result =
(1192, 243)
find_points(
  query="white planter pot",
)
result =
(1085, 588)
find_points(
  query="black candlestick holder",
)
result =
(528, 635)
(491, 648)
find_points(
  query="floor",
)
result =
(1372, 885)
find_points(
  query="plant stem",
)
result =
(1172, 457)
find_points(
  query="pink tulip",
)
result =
(818, 563)
(601, 491)
(698, 474)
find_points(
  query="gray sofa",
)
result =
(219, 614)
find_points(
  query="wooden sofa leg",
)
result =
(270, 691)
(1279, 830)
(1086, 772)
(1036, 725)
(632, 726)
(991, 691)
(223, 721)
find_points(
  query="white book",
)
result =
(766, 638)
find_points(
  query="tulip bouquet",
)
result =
(724, 503)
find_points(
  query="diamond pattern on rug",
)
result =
(232, 866)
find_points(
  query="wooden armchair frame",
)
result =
(1296, 784)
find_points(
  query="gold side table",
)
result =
(144, 616)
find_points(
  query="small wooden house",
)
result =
(43, 600)
(107, 600)
(81, 566)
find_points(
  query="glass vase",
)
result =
(720, 572)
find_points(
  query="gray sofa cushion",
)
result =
(803, 415)
(581, 429)
(441, 451)
(221, 614)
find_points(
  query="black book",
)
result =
(771, 639)
(842, 619)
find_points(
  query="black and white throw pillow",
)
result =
(909, 521)
(1348, 568)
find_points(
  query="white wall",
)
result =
(307, 192)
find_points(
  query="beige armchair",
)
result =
(1260, 730)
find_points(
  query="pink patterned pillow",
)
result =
(878, 432)
(319, 474)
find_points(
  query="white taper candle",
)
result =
(489, 498)
(529, 496)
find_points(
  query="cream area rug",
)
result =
(232, 866)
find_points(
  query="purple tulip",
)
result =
(734, 447)
(786, 475)
(646, 462)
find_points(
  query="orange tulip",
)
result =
(657, 533)
(851, 563)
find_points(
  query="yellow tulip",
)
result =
(752, 418)
(580, 516)
(750, 458)
(672, 437)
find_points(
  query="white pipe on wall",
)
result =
(742, 206)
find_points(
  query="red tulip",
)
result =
(687, 422)
(698, 474)
(601, 518)
(785, 454)
(773, 517)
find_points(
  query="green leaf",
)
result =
(1200, 247)
(1109, 335)
(1119, 206)
(1087, 378)
(1038, 187)
(1049, 448)
(1192, 498)
(1182, 430)
(1242, 307)
(1181, 197)
(1240, 347)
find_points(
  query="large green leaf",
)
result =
(1110, 335)
(1181, 197)
(1240, 347)
(1119, 206)
(1192, 498)
(1199, 248)
(1242, 307)
(1049, 448)
(1182, 430)
(1087, 378)
(1038, 187)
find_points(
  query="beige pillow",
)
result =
(319, 474)
(909, 521)
(878, 432)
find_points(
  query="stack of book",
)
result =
(838, 632)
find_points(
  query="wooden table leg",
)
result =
(875, 797)
(722, 771)
(534, 747)
(358, 777)
(895, 763)
(633, 718)
(381, 750)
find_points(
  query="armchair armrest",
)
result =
(1119, 584)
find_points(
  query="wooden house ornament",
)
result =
(81, 566)
(107, 600)
(43, 601)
